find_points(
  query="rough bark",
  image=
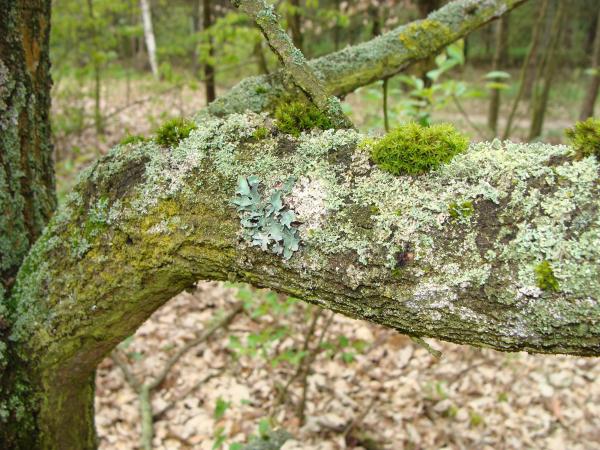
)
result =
(348, 69)
(27, 196)
(589, 100)
(27, 191)
(149, 37)
(145, 222)
(302, 74)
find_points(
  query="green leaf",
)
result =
(220, 408)
(497, 86)
(264, 428)
(497, 74)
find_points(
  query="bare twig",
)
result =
(464, 113)
(145, 390)
(358, 419)
(158, 415)
(421, 343)
(307, 364)
(223, 323)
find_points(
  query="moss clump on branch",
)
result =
(461, 210)
(174, 131)
(585, 138)
(133, 139)
(298, 116)
(415, 149)
(260, 133)
(544, 277)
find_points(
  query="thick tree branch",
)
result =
(293, 60)
(455, 254)
(388, 54)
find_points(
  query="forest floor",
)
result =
(388, 393)
(367, 387)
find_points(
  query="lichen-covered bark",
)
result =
(26, 170)
(27, 196)
(453, 254)
(293, 60)
(384, 56)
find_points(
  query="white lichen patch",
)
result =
(308, 200)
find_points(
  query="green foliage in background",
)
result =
(415, 149)
(585, 138)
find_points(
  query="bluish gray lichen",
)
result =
(267, 223)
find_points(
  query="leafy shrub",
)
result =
(414, 149)
(298, 116)
(174, 131)
(585, 138)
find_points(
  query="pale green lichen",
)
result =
(267, 223)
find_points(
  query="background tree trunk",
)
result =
(98, 120)
(209, 67)
(589, 99)
(546, 72)
(149, 36)
(498, 62)
(526, 70)
(294, 19)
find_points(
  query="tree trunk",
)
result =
(294, 19)
(589, 100)
(259, 55)
(425, 8)
(98, 120)
(27, 191)
(497, 64)
(547, 70)
(27, 200)
(498, 265)
(149, 36)
(525, 68)
(209, 68)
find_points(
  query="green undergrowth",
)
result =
(415, 149)
(294, 117)
(174, 131)
(585, 138)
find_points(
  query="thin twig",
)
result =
(307, 338)
(223, 323)
(358, 419)
(129, 376)
(307, 364)
(464, 113)
(158, 415)
(144, 390)
(432, 351)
